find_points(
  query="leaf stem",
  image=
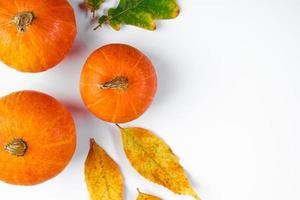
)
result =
(97, 27)
(197, 197)
(119, 126)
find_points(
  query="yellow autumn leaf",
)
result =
(154, 160)
(103, 176)
(143, 196)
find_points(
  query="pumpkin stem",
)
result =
(17, 147)
(22, 20)
(120, 83)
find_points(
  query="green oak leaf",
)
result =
(141, 13)
(94, 5)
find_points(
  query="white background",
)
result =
(228, 101)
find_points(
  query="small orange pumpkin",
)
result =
(118, 83)
(37, 138)
(35, 35)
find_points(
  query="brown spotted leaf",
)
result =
(154, 160)
(103, 176)
(143, 196)
(90, 6)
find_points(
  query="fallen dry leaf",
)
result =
(143, 196)
(154, 160)
(103, 176)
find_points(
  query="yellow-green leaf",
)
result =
(103, 176)
(154, 160)
(143, 196)
(141, 13)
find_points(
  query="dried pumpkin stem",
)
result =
(22, 20)
(17, 147)
(120, 83)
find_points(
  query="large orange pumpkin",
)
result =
(37, 138)
(118, 83)
(35, 35)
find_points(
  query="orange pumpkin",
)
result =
(35, 35)
(37, 138)
(118, 83)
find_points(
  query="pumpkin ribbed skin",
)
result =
(47, 129)
(118, 63)
(46, 40)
